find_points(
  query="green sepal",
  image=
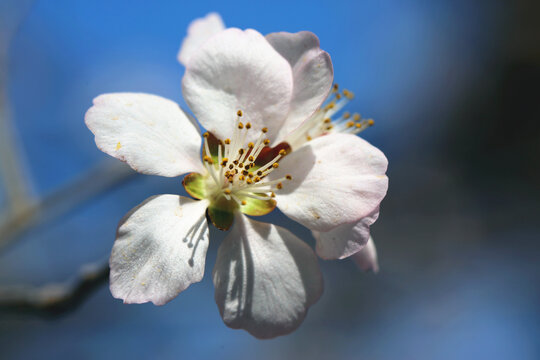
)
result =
(256, 207)
(195, 185)
(221, 213)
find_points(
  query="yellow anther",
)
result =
(265, 130)
(279, 185)
(288, 177)
(239, 113)
(272, 194)
(348, 94)
(308, 138)
(118, 146)
(257, 179)
(206, 134)
(250, 175)
(358, 125)
(227, 141)
(245, 172)
(330, 106)
(251, 145)
(240, 125)
(346, 115)
(259, 173)
(327, 120)
(370, 122)
(282, 152)
(266, 141)
(251, 158)
(350, 124)
(248, 126)
(241, 177)
(207, 158)
(241, 165)
(224, 160)
(227, 191)
(330, 127)
(249, 181)
(356, 117)
(231, 166)
(335, 88)
(244, 202)
(235, 162)
(275, 165)
(241, 151)
(338, 96)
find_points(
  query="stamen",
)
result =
(323, 121)
(253, 196)
(232, 170)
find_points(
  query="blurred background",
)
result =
(453, 88)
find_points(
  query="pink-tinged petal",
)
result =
(238, 70)
(199, 31)
(345, 240)
(336, 179)
(265, 279)
(366, 259)
(312, 74)
(152, 134)
(160, 250)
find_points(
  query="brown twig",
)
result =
(24, 211)
(53, 300)
(97, 181)
(12, 168)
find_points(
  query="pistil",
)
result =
(235, 174)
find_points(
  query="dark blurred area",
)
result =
(453, 87)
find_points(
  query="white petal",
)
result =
(152, 134)
(336, 179)
(159, 250)
(265, 279)
(312, 74)
(199, 31)
(366, 259)
(238, 70)
(345, 240)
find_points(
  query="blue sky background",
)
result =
(457, 280)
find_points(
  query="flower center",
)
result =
(236, 177)
(326, 120)
(238, 172)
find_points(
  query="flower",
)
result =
(350, 238)
(249, 92)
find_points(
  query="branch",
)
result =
(53, 300)
(12, 168)
(97, 181)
